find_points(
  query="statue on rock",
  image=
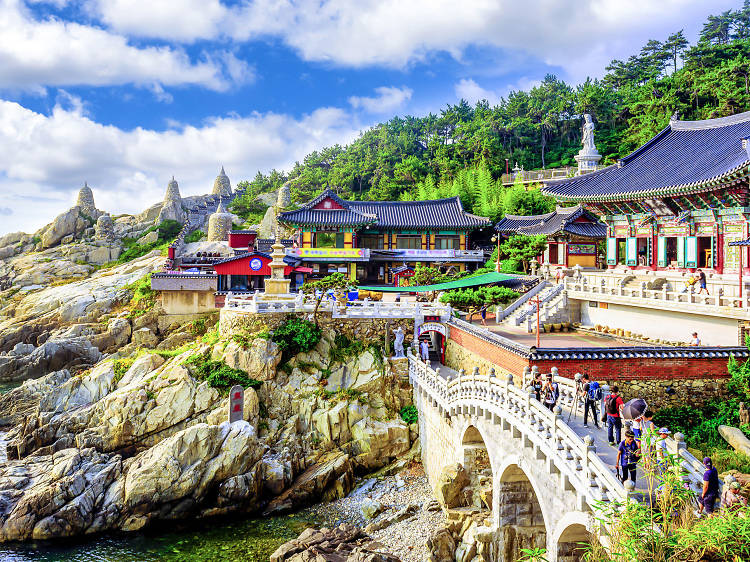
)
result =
(222, 185)
(588, 157)
(398, 344)
(172, 209)
(744, 415)
(86, 202)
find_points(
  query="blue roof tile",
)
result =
(686, 156)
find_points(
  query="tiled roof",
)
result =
(685, 157)
(548, 224)
(439, 213)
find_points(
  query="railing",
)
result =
(255, 303)
(517, 406)
(538, 287)
(541, 175)
(574, 456)
(551, 294)
(715, 303)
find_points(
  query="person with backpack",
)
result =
(551, 393)
(612, 405)
(592, 395)
(627, 456)
(537, 386)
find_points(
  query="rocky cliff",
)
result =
(146, 438)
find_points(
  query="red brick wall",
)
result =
(640, 368)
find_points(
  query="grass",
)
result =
(143, 299)
(169, 353)
(244, 339)
(218, 374)
(195, 236)
(120, 367)
(341, 395)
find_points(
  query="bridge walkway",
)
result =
(606, 452)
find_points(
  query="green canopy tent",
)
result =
(484, 279)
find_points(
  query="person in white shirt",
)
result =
(696, 340)
(424, 350)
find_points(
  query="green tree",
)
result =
(319, 289)
(523, 249)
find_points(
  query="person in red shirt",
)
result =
(612, 406)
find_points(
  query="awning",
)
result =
(484, 279)
(299, 269)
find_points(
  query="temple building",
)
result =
(676, 202)
(368, 240)
(572, 234)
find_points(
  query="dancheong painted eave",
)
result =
(685, 157)
(438, 213)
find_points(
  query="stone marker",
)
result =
(236, 401)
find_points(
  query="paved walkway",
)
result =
(604, 450)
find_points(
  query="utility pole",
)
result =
(538, 303)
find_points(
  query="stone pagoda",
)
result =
(588, 157)
(219, 224)
(222, 185)
(86, 202)
(171, 208)
(277, 284)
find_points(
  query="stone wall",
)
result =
(459, 357)
(187, 302)
(366, 330)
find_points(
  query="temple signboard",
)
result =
(674, 230)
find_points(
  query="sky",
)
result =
(124, 94)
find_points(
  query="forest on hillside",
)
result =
(463, 150)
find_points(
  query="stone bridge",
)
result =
(545, 477)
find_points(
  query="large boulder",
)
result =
(68, 223)
(441, 546)
(50, 356)
(451, 482)
(345, 543)
(735, 438)
(258, 359)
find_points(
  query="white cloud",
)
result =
(386, 100)
(581, 36)
(469, 90)
(46, 158)
(35, 53)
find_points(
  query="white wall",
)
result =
(662, 324)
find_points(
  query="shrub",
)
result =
(195, 236)
(344, 348)
(296, 335)
(218, 374)
(120, 367)
(409, 414)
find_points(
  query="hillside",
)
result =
(535, 128)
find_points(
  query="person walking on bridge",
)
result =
(627, 456)
(551, 393)
(424, 351)
(612, 405)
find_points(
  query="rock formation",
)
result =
(345, 543)
(284, 199)
(219, 224)
(171, 208)
(222, 186)
(105, 228)
(113, 450)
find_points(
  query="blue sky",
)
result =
(125, 93)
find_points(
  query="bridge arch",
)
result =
(573, 528)
(476, 459)
(521, 518)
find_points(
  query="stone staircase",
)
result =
(554, 308)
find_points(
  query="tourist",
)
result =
(559, 275)
(627, 457)
(592, 395)
(636, 427)
(424, 351)
(537, 385)
(648, 439)
(709, 495)
(702, 282)
(551, 393)
(696, 340)
(731, 498)
(483, 314)
(612, 405)
(689, 283)
(662, 453)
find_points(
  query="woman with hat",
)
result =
(627, 456)
(709, 495)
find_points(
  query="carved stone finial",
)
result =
(675, 116)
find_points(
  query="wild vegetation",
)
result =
(463, 150)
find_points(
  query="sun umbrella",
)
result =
(634, 408)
